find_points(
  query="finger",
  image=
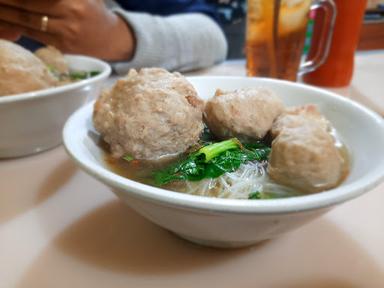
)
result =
(38, 6)
(25, 19)
(42, 37)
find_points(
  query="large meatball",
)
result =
(304, 155)
(53, 58)
(149, 114)
(244, 113)
(21, 71)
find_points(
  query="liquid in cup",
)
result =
(275, 37)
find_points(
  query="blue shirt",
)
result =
(169, 7)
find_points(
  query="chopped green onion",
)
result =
(128, 157)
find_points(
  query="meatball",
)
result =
(53, 58)
(304, 155)
(296, 116)
(149, 114)
(244, 113)
(21, 71)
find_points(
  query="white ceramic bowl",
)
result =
(33, 122)
(233, 223)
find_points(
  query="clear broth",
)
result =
(142, 171)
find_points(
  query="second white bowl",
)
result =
(32, 122)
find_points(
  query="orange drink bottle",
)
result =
(337, 70)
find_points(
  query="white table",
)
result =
(61, 228)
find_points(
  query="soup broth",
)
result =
(250, 181)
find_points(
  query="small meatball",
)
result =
(21, 71)
(304, 155)
(149, 114)
(53, 58)
(244, 113)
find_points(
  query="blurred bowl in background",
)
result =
(32, 122)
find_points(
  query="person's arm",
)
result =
(179, 42)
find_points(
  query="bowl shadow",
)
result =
(114, 246)
(117, 238)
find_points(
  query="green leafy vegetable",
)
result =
(72, 75)
(81, 75)
(212, 161)
(255, 195)
(94, 73)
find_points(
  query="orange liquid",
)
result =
(337, 71)
(275, 37)
(286, 58)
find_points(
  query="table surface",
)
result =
(61, 228)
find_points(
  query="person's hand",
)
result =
(73, 26)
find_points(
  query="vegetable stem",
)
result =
(215, 149)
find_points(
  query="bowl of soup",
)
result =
(36, 99)
(245, 179)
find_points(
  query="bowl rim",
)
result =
(106, 71)
(216, 205)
